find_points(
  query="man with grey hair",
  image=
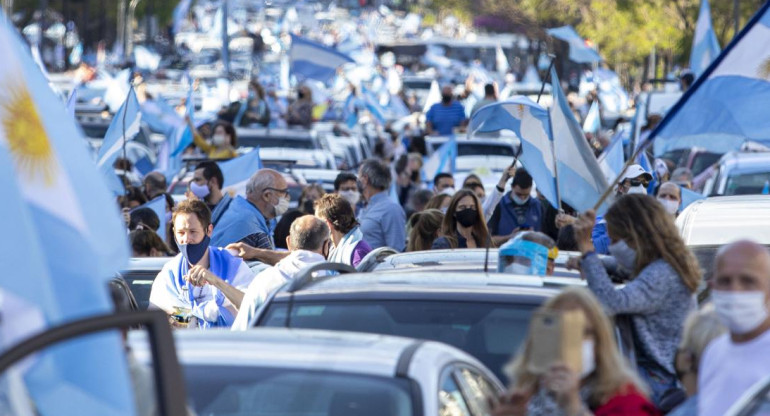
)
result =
(383, 221)
(308, 243)
(251, 220)
(735, 361)
(154, 185)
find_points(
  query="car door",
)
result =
(451, 400)
(477, 388)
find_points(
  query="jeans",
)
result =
(658, 379)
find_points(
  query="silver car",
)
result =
(309, 372)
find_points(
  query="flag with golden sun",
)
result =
(63, 240)
(727, 105)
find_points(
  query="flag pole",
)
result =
(614, 183)
(547, 76)
(123, 145)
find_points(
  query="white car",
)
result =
(309, 372)
(755, 402)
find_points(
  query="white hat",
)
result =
(635, 171)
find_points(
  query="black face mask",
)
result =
(300, 95)
(194, 252)
(446, 99)
(416, 176)
(307, 207)
(467, 217)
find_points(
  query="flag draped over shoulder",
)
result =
(65, 241)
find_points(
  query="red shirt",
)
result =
(628, 402)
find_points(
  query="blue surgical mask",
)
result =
(193, 253)
(201, 191)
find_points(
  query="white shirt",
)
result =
(270, 280)
(728, 369)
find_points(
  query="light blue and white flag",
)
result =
(443, 160)
(705, 47)
(117, 89)
(688, 197)
(612, 159)
(146, 59)
(158, 205)
(727, 105)
(311, 60)
(501, 61)
(238, 171)
(579, 51)
(530, 122)
(72, 101)
(592, 123)
(180, 13)
(123, 127)
(374, 107)
(64, 242)
(581, 182)
(186, 139)
(433, 97)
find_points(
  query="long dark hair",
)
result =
(449, 226)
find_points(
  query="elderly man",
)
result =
(670, 195)
(735, 361)
(175, 290)
(154, 185)
(383, 221)
(308, 242)
(250, 220)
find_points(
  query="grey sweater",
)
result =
(657, 301)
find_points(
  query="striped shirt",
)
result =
(444, 118)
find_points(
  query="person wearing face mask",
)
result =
(670, 195)
(348, 244)
(383, 222)
(606, 385)
(176, 287)
(206, 185)
(346, 185)
(444, 183)
(251, 220)
(255, 110)
(307, 198)
(223, 141)
(740, 291)
(442, 118)
(463, 225)
(300, 112)
(664, 277)
(517, 211)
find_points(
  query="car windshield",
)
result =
(748, 184)
(473, 149)
(491, 332)
(262, 141)
(702, 161)
(244, 390)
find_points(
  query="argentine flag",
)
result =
(705, 46)
(158, 205)
(311, 60)
(64, 241)
(443, 160)
(581, 182)
(592, 123)
(238, 171)
(612, 159)
(123, 127)
(728, 104)
(531, 124)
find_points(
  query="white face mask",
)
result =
(740, 312)
(448, 191)
(519, 201)
(281, 207)
(625, 255)
(351, 196)
(589, 358)
(671, 206)
(637, 190)
(518, 268)
(218, 139)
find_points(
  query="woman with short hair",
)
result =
(349, 245)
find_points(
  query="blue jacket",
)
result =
(504, 220)
(242, 220)
(600, 237)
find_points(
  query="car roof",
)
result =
(745, 162)
(306, 349)
(721, 220)
(288, 134)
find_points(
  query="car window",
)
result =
(472, 149)
(488, 331)
(450, 398)
(244, 390)
(262, 141)
(478, 389)
(748, 184)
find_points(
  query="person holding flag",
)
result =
(223, 141)
(175, 289)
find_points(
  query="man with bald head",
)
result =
(670, 195)
(734, 362)
(308, 242)
(251, 220)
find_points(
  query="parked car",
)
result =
(710, 223)
(283, 138)
(755, 402)
(306, 372)
(486, 315)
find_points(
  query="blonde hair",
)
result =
(645, 226)
(613, 374)
(700, 328)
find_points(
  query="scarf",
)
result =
(222, 264)
(343, 253)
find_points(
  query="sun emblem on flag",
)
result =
(28, 142)
(521, 110)
(764, 69)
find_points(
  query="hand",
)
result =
(507, 174)
(243, 250)
(511, 404)
(573, 263)
(126, 215)
(565, 385)
(583, 227)
(200, 276)
(563, 220)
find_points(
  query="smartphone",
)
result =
(557, 336)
